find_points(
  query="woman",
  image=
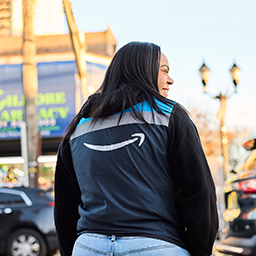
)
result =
(131, 176)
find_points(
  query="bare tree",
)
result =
(209, 131)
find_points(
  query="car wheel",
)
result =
(26, 242)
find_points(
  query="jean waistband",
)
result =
(113, 236)
(96, 235)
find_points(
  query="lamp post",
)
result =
(235, 74)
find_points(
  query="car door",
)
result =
(5, 211)
(11, 204)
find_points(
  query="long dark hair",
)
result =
(130, 78)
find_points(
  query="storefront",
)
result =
(56, 107)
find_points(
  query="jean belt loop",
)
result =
(113, 238)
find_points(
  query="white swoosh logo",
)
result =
(117, 145)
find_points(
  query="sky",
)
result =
(189, 32)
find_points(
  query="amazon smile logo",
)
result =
(115, 146)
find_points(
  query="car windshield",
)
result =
(49, 195)
(247, 163)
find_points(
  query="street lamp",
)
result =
(205, 74)
(235, 74)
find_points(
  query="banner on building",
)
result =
(55, 99)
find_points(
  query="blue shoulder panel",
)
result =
(142, 106)
(167, 109)
(83, 120)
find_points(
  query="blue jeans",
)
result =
(89, 244)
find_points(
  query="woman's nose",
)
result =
(170, 80)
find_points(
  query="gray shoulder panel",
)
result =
(113, 120)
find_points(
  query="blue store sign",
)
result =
(55, 99)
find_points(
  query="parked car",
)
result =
(239, 236)
(26, 222)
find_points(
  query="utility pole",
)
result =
(79, 46)
(224, 147)
(30, 88)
